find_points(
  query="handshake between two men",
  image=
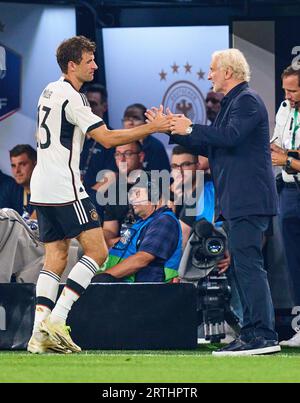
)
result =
(176, 123)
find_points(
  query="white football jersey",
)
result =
(283, 133)
(64, 117)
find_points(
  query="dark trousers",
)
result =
(245, 244)
(290, 227)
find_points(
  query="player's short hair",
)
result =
(234, 59)
(23, 148)
(290, 71)
(71, 50)
(99, 88)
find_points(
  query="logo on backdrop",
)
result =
(10, 81)
(185, 96)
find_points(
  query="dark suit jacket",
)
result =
(238, 148)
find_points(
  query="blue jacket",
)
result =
(238, 148)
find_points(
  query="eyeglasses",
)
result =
(125, 154)
(133, 119)
(183, 165)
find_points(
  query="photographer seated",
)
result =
(149, 250)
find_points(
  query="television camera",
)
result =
(206, 246)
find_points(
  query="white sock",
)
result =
(46, 294)
(77, 282)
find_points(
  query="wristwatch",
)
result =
(189, 129)
(288, 163)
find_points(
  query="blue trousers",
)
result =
(290, 227)
(245, 245)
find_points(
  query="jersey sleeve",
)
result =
(79, 113)
(283, 120)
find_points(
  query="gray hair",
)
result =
(235, 59)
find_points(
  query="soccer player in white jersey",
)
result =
(63, 208)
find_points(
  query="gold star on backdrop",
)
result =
(163, 75)
(201, 74)
(175, 68)
(187, 67)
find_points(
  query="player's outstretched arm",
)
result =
(112, 138)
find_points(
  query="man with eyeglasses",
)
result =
(128, 158)
(156, 156)
(184, 166)
(94, 157)
(186, 170)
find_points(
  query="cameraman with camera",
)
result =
(286, 154)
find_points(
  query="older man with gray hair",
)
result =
(237, 145)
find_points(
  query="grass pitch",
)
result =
(149, 366)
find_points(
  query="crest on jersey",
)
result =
(10, 81)
(185, 95)
(94, 215)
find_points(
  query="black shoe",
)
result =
(257, 346)
(234, 345)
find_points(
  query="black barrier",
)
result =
(110, 316)
(16, 315)
(135, 317)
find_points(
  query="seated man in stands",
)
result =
(129, 158)
(21, 253)
(94, 156)
(156, 156)
(149, 251)
(17, 195)
(190, 206)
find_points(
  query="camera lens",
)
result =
(214, 246)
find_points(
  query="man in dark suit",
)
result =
(237, 145)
